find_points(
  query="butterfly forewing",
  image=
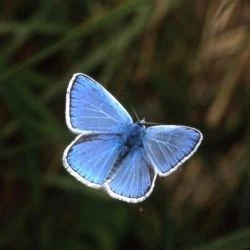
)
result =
(169, 146)
(91, 108)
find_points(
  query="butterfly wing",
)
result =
(134, 179)
(170, 146)
(91, 108)
(90, 158)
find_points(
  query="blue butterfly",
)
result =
(113, 152)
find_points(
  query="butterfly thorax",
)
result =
(134, 135)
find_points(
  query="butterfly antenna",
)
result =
(137, 117)
(131, 107)
(151, 123)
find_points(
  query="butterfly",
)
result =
(113, 152)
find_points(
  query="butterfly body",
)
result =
(133, 136)
(131, 140)
(114, 153)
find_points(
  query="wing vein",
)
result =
(100, 110)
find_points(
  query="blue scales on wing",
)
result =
(90, 158)
(134, 180)
(91, 108)
(170, 146)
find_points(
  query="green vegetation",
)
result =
(174, 62)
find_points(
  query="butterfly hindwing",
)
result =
(90, 158)
(170, 146)
(91, 108)
(134, 179)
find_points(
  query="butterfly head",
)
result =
(141, 123)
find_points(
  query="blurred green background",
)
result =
(175, 62)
